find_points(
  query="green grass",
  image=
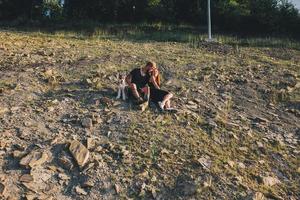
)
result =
(156, 32)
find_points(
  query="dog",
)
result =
(121, 86)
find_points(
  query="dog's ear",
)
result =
(118, 75)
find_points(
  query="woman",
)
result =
(157, 95)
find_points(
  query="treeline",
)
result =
(251, 16)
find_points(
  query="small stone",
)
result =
(208, 182)
(90, 143)
(191, 103)
(298, 170)
(30, 196)
(87, 123)
(243, 148)
(80, 153)
(241, 165)
(62, 176)
(28, 123)
(270, 181)
(50, 109)
(261, 161)
(255, 196)
(260, 145)
(231, 163)
(117, 188)
(18, 154)
(88, 183)
(3, 110)
(204, 162)
(34, 158)
(80, 191)
(26, 178)
(239, 179)
(258, 196)
(96, 119)
(52, 168)
(164, 151)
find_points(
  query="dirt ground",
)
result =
(236, 135)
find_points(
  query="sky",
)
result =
(297, 3)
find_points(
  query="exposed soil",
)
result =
(236, 135)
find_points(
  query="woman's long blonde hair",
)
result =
(154, 71)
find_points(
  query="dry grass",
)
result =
(167, 148)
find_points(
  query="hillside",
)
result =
(236, 135)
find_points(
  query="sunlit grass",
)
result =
(157, 32)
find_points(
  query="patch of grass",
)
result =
(158, 32)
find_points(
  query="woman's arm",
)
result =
(153, 81)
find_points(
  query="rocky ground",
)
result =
(64, 136)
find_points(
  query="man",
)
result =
(137, 81)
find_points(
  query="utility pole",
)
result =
(209, 20)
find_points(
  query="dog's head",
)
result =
(121, 76)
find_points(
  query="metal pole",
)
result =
(209, 20)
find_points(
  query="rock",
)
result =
(3, 110)
(41, 176)
(80, 191)
(90, 143)
(259, 144)
(117, 188)
(205, 162)
(26, 178)
(88, 183)
(62, 176)
(164, 151)
(30, 196)
(241, 165)
(79, 152)
(18, 154)
(34, 158)
(50, 109)
(255, 196)
(258, 196)
(87, 123)
(231, 163)
(298, 170)
(270, 181)
(261, 162)
(243, 149)
(96, 119)
(208, 182)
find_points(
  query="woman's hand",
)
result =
(153, 81)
